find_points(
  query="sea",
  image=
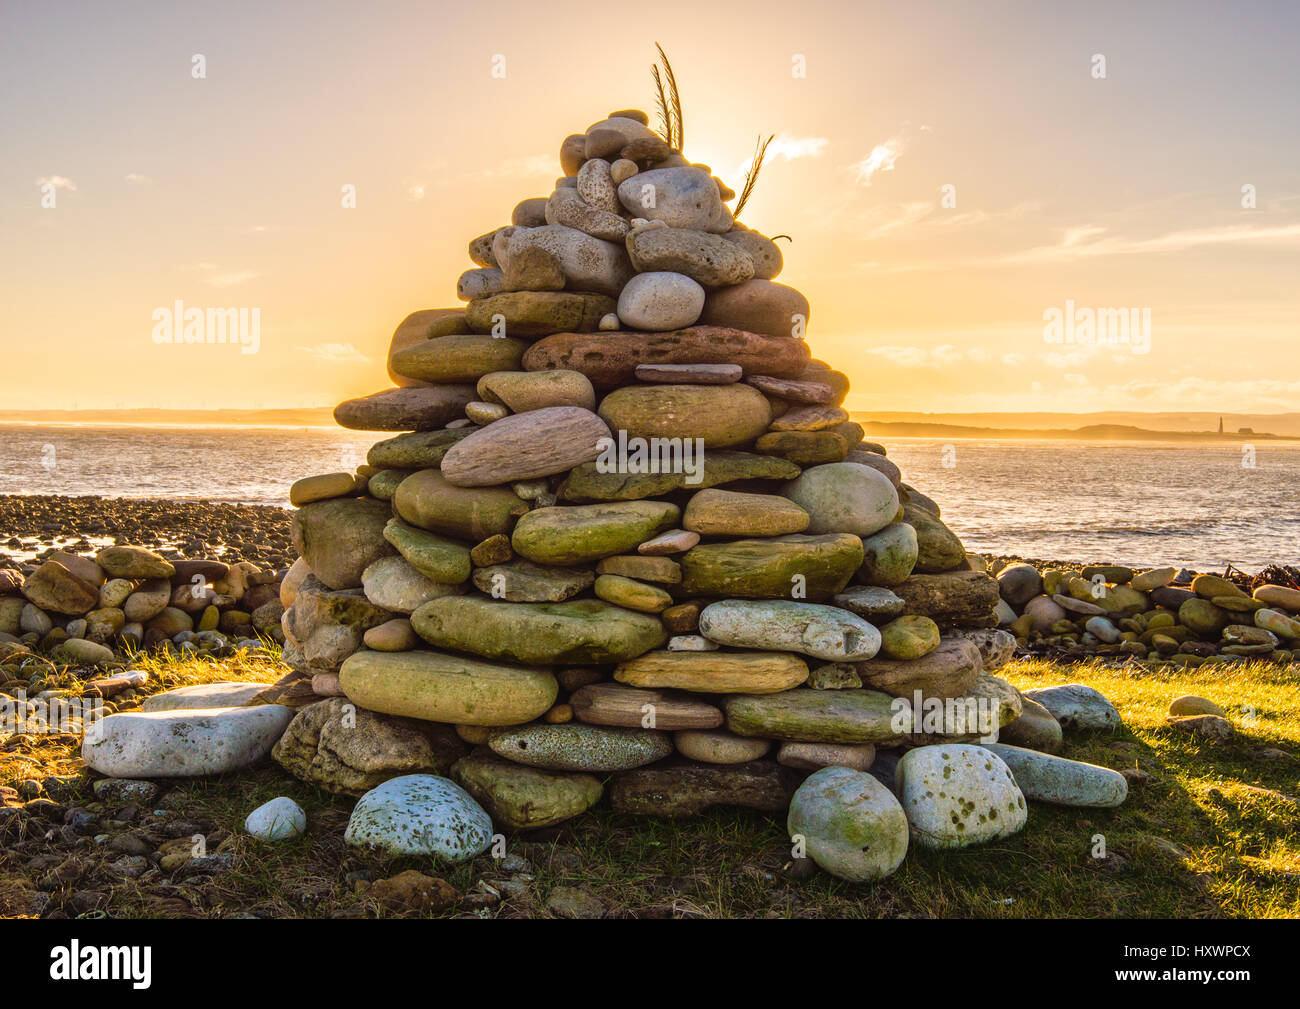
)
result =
(1142, 504)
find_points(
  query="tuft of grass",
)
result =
(669, 101)
(751, 176)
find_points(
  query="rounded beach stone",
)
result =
(955, 795)
(851, 825)
(1077, 706)
(813, 756)
(525, 446)
(54, 588)
(757, 306)
(525, 798)
(685, 197)
(185, 743)
(133, 562)
(581, 747)
(341, 537)
(428, 500)
(277, 820)
(447, 688)
(720, 415)
(578, 632)
(318, 488)
(420, 814)
(460, 358)
(589, 263)
(1019, 583)
(772, 568)
(825, 632)
(578, 534)
(478, 283)
(719, 747)
(661, 301)
(844, 497)
(1035, 728)
(715, 512)
(950, 670)
(421, 408)
(1042, 777)
(889, 556)
(631, 594)
(1191, 704)
(436, 557)
(523, 391)
(707, 259)
(909, 637)
(394, 584)
(764, 253)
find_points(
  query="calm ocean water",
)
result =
(1139, 504)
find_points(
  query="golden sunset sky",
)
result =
(226, 190)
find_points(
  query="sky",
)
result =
(954, 178)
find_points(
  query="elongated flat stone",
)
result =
(577, 632)
(721, 416)
(525, 798)
(610, 359)
(460, 358)
(815, 716)
(184, 743)
(948, 671)
(777, 568)
(421, 408)
(579, 534)
(580, 747)
(689, 374)
(416, 450)
(525, 446)
(526, 582)
(716, 512)
(1045, 778)
(825, 632)
(794, 390)
(447, 688)
(715, 672)
(615, 704)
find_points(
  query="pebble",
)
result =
(955, 795)
(824, 632)
(660, 301)
(422, 815)
(849, 824)
(581, 747)
(278, 820)
(1077, 706)
(1045, 778)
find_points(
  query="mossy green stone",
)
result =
(447, 688)
(632, 594)
(418, 450)
(578, 632)
(938, 548)
(577, 534)
(427, 500)
(525, 798)
(442, 560)
(1203, 617)
(814, 716)
(721, 415)
(909, 637)
(383, 485)
(777, 568)
(889, 556)
(461, 358)
(587, 483)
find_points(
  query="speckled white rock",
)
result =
(596, 186)
(1045, 778)
(420, 814)
(277, 820)
(185, 743)
(851, 824)
(230, 694)
(660, 302)
(955, 795)
(996, 647)
(685, 197)
(825, 632)
(1077, 706)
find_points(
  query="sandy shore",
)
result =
(33, 524)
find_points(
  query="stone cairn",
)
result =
(1162, 616)
(625, 542)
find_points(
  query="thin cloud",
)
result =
(231, 279)
(881, 159)
(335, 352)
(136, 179)
(58, 182)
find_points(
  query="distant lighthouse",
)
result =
(1220, 425)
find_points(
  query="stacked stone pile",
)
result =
(1162, 615)
(625, 542)
(78, 609)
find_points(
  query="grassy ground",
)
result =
(1209, 830)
